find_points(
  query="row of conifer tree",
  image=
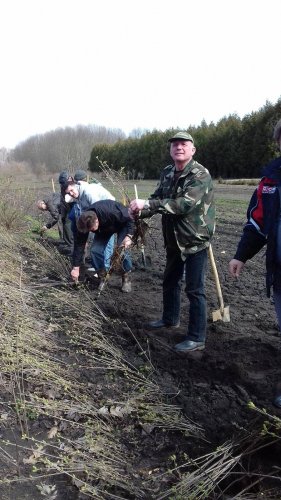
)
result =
(232, 148)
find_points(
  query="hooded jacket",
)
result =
(263, 216)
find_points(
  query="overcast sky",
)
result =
(134, 63)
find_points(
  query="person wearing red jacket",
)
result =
(263, 227)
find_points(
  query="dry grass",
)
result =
(41, 378)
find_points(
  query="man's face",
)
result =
(182, 151)
(95, 226)
(42, 205)
(73, 191)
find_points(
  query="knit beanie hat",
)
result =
(80, 175)
(63, 177)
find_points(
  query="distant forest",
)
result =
(232, 148)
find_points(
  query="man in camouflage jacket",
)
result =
(184, 197)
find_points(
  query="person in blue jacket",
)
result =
(263, 227)
(85, 194)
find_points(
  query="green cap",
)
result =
(185, 136)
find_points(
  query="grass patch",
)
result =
(239, 182)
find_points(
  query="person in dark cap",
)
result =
(64, 177)
(85, 195)
(80, 175)
(67, 248)
(184, 197)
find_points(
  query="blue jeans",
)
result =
(195, 267)
(102, 251)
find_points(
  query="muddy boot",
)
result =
(102, 278)
(126, 283)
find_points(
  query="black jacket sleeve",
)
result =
(252, 239)
(54, 212)
(126, 225)
(250, 244)
(80, 240)
(53, 207)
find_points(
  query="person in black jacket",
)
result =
(264, 228)
(65, 207)
(105, 218)
(51, 204)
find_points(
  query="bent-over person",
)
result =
(85, 195)
(105, 218)
(51, 204)
(65, 208)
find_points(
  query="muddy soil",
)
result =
(241, 361)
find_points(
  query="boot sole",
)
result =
(169, 327)
(184, 351)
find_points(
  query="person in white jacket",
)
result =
(85, 195)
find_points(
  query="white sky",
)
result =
(134, 63)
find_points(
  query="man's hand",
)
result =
(137, 205)
(235, 267)
(75, 273)
(132, 215)
(126, 243)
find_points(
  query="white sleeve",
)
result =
(107, 195)
(97, 193)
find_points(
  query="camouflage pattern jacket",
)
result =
(187, 206)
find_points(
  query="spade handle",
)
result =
(216, 276)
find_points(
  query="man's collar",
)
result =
(185, 168)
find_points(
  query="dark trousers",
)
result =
(60, 228)
(277, 292)
(195, 267)
(67, 232)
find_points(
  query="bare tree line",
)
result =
(4, 154)
(64, 148)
